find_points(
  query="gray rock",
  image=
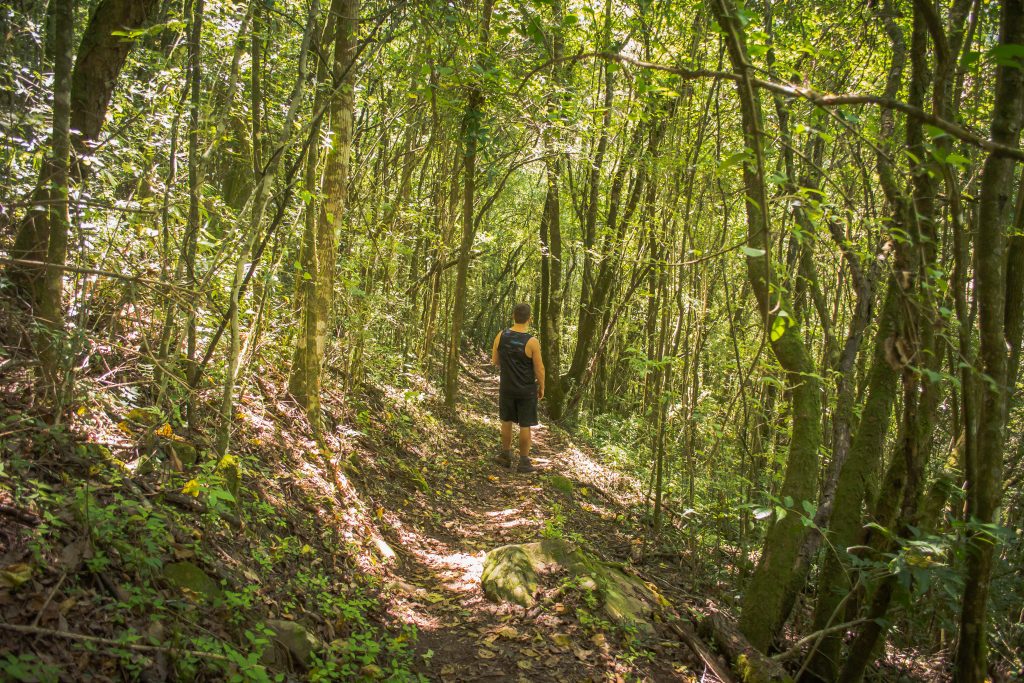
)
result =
(292, 643)
(511, 573)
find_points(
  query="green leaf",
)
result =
(752, 252)
(1009, 55)
(779, 326)
(732, 160)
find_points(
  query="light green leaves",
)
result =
(780, 324)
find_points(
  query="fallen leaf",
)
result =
(562, 640)
(599, 640)
(524, 664)
(484, 653)
(530, 652)
(14, 575)
(507, 632)
(581, 654)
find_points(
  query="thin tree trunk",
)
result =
(259, 201)
(319, 266)
(471, 131)
(985, 487)
(764, 598)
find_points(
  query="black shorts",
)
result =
(522, 411)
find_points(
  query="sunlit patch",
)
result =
(503, 513)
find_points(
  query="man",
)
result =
(516, 352)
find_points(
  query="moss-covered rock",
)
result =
(188, 576)
(512, 573)
(292, 643)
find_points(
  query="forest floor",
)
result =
(438, 574)
(129, 552)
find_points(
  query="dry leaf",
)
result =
(484, 653)
(581, 654)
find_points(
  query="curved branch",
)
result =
(818, 99)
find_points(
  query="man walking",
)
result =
(516, 352)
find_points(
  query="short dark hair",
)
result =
(521, 313)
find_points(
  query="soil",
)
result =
(436, 582)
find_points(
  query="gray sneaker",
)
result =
(525, 466)
(504, 458)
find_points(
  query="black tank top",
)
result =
(517, 378)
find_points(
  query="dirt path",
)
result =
(436, 585)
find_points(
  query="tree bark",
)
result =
(984, 488)
(763, 600)
(471, 131)
(320, 252)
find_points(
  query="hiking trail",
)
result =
(436, 579)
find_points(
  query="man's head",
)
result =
(521, 314)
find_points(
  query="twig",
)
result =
(794, 652)
(18, 514)
(701, 649)
(141, 647)
(49, 598)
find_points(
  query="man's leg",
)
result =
(524, 451)
(506, 436)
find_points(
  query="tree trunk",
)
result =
(258, 204)
(101, 56)
(49, 297)
(320, 252)
(984, 489)
(764, 597)
(471, 131)
(551, 320)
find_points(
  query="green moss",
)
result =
(190, 577)
(560, 483)
(511, 573)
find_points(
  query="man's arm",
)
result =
(495, 359)
(533, 351)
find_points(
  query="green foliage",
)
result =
(28, 668)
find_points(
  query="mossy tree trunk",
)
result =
(551, 230)
(985, 486)
(320, 239)
(763, 601)
(85, 92)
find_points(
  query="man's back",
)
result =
(517, 372)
